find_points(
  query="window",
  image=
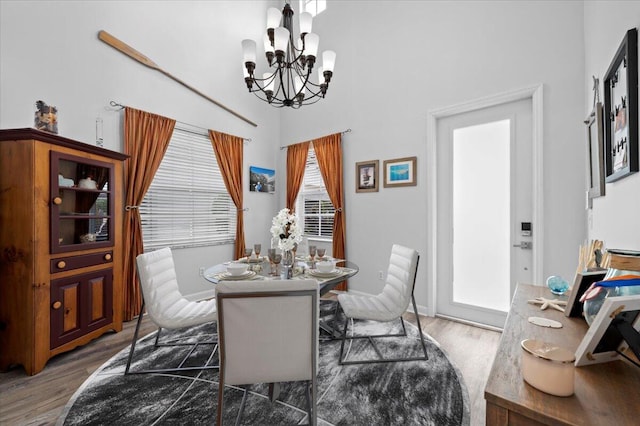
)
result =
(313, 201)
(188, 204)
(314, 7)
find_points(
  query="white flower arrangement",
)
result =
(286, 230)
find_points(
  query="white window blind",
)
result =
(187, 204)
(318, 211)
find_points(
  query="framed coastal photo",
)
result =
(595, 145)
(621, 110)
(367, 176)
(400, 172)
(262, 180)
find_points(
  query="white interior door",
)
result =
(484, 210)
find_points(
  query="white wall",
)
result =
(49, 50)
(614, 217)
(397, 60)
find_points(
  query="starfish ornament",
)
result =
(548, 303)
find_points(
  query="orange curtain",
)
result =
(329, 154)
(228, 151)
(296, 162)
(146, 138)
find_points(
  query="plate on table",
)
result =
(243, 276)
(316, 273)
(252, 259)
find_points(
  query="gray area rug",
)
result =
(428, 392)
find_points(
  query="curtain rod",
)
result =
(342, 133)
(120, 107)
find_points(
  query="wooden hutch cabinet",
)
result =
(61, 204)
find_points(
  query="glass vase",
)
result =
(287, 263)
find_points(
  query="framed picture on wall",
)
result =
(595, 145)
(400, 172)
(367, 176)
(621, 110)
(261, 179)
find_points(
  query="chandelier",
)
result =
(288, 83)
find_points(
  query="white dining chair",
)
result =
(268, 333)
(387, 306)
(169, 309)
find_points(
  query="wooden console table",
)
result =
(605, 394)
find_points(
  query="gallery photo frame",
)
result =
(595, 146)
(400, 172)
(367, 176)
(621, 110)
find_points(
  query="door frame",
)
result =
(535, 94)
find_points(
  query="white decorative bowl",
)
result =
(236, 269)
(325, 266)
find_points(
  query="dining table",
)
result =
(304, 268)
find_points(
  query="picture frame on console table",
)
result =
(581, 283)
(615, 329)
(621, 110)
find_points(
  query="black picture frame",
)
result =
(581, 283)
(595, 145)
(621, 110)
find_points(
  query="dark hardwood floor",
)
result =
(40, 399)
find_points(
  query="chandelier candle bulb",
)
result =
(281, 42)
(268, 50)
(311, 42)
(249, 49)
(273, 20)
(306, 21)
(328, 61)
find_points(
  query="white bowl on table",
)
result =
(236, 269)
(325, 266)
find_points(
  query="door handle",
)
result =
(525, 245)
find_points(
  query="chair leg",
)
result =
(242, 403)
(311, 402)
(415, 311)
(341, 360)
(220, 400)
(157, 344)
(135, 339)
(344, 338)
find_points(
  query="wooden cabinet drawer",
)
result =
(82, 261)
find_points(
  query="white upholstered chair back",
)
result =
(267, 330)
(164, 303)
(396, 294)
(395, 297)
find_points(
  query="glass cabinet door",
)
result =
(81, 203)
